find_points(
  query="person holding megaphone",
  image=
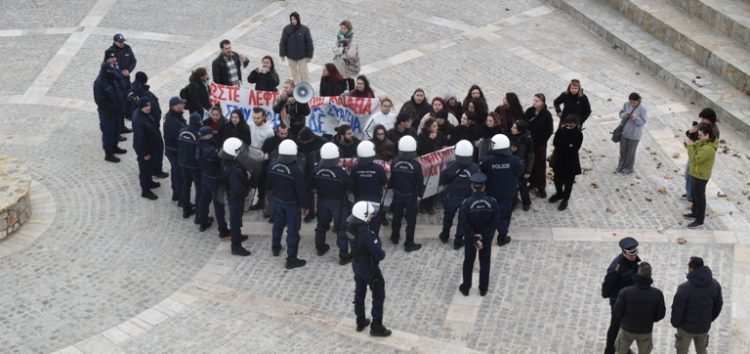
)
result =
(292, 111)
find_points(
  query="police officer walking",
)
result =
(370, 180)
(366, 253)
(290, 193)
(456, 179)
(478, 219)
(503, 171)
(237, 187)
(110, 103)
(620, 274)
(146, 141)
(332, 184)
(187, 145)
(209, 163)
(407, 185)
(173, 123)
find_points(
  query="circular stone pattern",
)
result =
(15, 187)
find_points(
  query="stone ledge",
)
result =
(730, 17)
(15, 188)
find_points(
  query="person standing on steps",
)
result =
(633, 114)
(457, 181)
(566, 164)
(503, 170)
(290, 193)
(237, 185)
(296, 46)
(620, 274)
(367, 253)
(332, 184)
(146, 142)
(479, 218)
(407, 184)
(174, 121)
(110, 103)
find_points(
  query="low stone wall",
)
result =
(15, 187)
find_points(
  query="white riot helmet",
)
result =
(363, 210)
(287, 151)
(329, 155)
(407, 147)
(232, 146)
(464, 152)
(365, 152)
(501, 144)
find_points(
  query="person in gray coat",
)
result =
(296, 45)
(633, 116)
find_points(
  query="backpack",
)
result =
(184, 92)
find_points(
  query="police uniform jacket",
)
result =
(208, 160)
(502, 173)
(108, 94)
(366, 250)
(187, 145)
(479, 214)
(621, 273)
(369, 181)
(332, 183)
(125, 57)
(146, 137)
(456, 179)
(173, 123)
(237, 183)
(406, 178)
(288, 184)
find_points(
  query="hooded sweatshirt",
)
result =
(698, 302)
(296, 41)
(639, 306)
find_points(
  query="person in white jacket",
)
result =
(386, 117)
(261, 129)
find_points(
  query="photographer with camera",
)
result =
(701, 153)
(707, 116)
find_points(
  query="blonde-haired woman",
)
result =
(574, 102)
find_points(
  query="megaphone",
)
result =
(303, 92)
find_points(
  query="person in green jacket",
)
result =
(702, 154)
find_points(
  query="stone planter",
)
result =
(15, 187)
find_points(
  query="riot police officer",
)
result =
(503, 171)
(620, 274)
(237, 185)
(478, 219)
(456, 179)
(370, 180)
(407, 185)
(332, 184)
(187, 144)
(210, 165)
(290, 193)
(366, 253)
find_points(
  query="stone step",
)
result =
(729, 17)
(677, 70)
(696, 39)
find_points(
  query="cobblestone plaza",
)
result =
(97, 269)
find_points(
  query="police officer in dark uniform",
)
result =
(173, 123)
(237, 186)
(503, 171)
(187, 145)
(478, 218)
(111, 57)
(110, 103)
(210, 165)
(620, 274)
(407, 184)
(370, 180)
(126, 61)
(456, 179)
(290, 193)
(366, 253)
(146, 142)
(332, 184)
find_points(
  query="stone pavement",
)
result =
(102, 270)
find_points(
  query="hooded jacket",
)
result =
(296, 42)
(197, 96)
(639, 306)
(697, 302)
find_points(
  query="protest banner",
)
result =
(326, 113)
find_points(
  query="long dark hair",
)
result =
(333, 73)
(375, 139)
(514, 106)
(433, 113)
(243, 122)
(273, 66)
(368, 89)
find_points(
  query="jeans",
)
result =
(699, 199)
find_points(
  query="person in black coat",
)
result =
(402, 127)
(265, 77)
(174, 121)
(331, 82)
(197, 96)
(620, 274)
(236, 128)
(126, 60)
(110, 102)
(574, 101)
(446, 129)
(346, 141)
(385, 149)
(146, 143)
(417, 106)
(696, 304)
(141, 89)
(541, 128)
(522, 145)
(567, 163)
(296, 44)
(476, 96)
(510, 111)
(638, 306)
(493, 125)
(429, 140)
(226, 67)
(293, 113)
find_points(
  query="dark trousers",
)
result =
(286, 215)
(210, 193)
(157, 158)
(236, 208)
(190, 177)
(538, 177)
(144, 174)
(332, 210)
(470, 254)
(451, 204)
(404, 206)
(523, 190)
(110, 131)
(175, 172)
(563, 186)
(699, 198)
(614, 327)
(505, 205)
(377, 286)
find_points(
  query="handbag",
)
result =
(617, 133)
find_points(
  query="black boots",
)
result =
(119, 151)
(111, 157)
(205, 225)
(362, 323)
(344, 260)
(378, 330)
(240, 251)
(457, 244)
(444, 237)
(503, 240)
(410, 247)
(323, 250)
(294, 262)
(555, 197)
(148, 194)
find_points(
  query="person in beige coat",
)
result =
(346, 54)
